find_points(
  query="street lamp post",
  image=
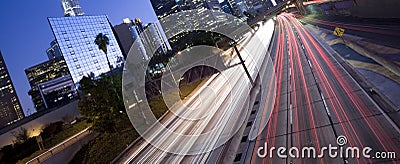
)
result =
(242, 62)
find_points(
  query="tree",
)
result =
(21, 136)
(103, 41)
(101, 101)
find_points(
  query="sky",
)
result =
(25, 33)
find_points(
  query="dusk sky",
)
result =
(26, 34)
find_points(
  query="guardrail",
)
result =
(61, 146)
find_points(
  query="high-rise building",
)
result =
(226, 7)
(164, 8)
(72, 8)
(204, 10)
(124, 36)
(150, 35)
(10, 107)
(54, 51)
(76, 36)
(51, 84)
(212, 5)
(238, 7)
(250, 4)
(259, 5)
(267, 4)
(276, 2)
(138, 25)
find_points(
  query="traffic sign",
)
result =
(338, 31)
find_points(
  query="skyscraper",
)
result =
(124, 36)
(164, 8)
(212, 4)
(238, 7)
(51, 84)
(204, 10)
(226, 7)
(152, 36)
(10, 107)
(71, 8)
(131, 31)
(76, 36)
(54, 51)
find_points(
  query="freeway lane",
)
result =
(377, 32)
(318, 101)
(221, 116)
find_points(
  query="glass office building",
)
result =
(148, 36)
(72, 8)
(54, 50)
(51, 84)
(76, 36)
(238, 7)
(212, 4)
(10, 107)
(164, 8)
(225, 7)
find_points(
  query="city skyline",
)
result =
(10, 107)
(35, 42)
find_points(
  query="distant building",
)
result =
(276, 2)
(268, 4)
(164, 8)
(125, 36)
(259, 5)
(10, 107)
(226, 7)
(54, 51)
(72, 8)
(131, 31)
(152, 36)
(238, 7)
(250, 4)
(76, 35)
(51, 84)
(212, 5)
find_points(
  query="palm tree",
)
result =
(102, 41)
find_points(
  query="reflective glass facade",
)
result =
(226, 7)
(50, 77)
(213, 4)
(55, 93)
(146, 36)
(164, 8)
(54, 50)
(76, 35)
(10, 107)
(238, 7)
(72, 8)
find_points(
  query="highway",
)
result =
(221, 104)
(317, 101)
(376, 32)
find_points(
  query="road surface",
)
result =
(317, 102)
(224, 105)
